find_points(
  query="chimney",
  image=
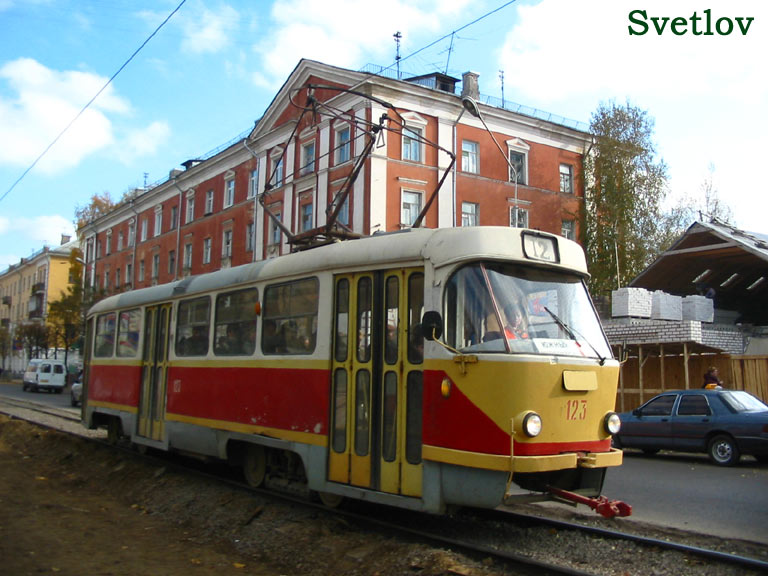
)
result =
(470, 86)
(173, 173)
(65, 238)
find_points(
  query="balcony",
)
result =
(5, 322)
(38, 288)
(6, 300)
(35, 314)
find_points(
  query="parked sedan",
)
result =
(722, 423)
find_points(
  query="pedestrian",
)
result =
(712, 379)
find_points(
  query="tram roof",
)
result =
(441, 247)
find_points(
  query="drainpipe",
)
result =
(255, 200)
(455, 169)
(135, 242)
(178, 232)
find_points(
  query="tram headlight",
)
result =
(612, 423)
(532, 424)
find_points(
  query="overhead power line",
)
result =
(91, 101)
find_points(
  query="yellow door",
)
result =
(154, 369)
(376, 382)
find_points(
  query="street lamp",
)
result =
(471, 106)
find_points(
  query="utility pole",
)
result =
(397, 36)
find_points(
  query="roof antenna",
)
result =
(397, 36)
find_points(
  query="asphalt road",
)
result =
(682, 491)
(686, 491)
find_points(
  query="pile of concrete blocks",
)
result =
(631, 302)
(698, 309)
(666, 306)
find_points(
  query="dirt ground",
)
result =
(69, 507)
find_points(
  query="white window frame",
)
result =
(229, 192)
(275, 233)
(517, 146)
(250, 236)
(306, 224)
(276, 167)
(158, 220)
(209, 198)
(190, 215)
(207, 250)
(566, 178)
(174, 217)
(144, 229)
(108, 250)
(470, 153)
(171, 261)
(308, 155)
(141, 270)
(405, 216)
(470, 214)
(343, 152)
(253, 188)
(413, 144)
(226, 244)
(155, 266)
(120, 239)
(568, 229)
(187, 256)
(131, 232)
(522, 218)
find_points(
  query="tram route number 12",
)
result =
(576, 409)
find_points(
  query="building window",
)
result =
(226, 244)
(129, 274)
(250, 235)
(141, 270)
(117, 278)
(566, 178)
(344, 212)
(411, 206)
(522, 217)
(187, 256)
(517, 161)
(190, 207)
(144, 229)
(207, 251)
(567, 229)
(469, 214)
(109, 243)
(229, 193)
(274, 229)
(172, 262)
(343, 145)
(469, 156)
(120, 237)
(306, 217)
(155, 266)
(209, 202)
(98, 249)
(307, 158)
(412, 144)
(106, 280)
(131, 233)
(276, 172)
(158, 220)
(253, 189)
(174, 217)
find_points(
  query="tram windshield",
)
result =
(506, 308)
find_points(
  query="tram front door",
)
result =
(376, 383)
(154, 369)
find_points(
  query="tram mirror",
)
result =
(432, 325)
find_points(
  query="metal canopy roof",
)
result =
(718, 260)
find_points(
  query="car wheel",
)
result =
(723, 450)
(24, 387)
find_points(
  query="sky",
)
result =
(214, 67)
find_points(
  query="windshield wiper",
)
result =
(572, 336)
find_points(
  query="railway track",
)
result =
(479, 534)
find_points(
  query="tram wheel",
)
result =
(330, 500)
(255, 465)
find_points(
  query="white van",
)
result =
(45, 374)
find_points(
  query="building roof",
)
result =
(717, 260)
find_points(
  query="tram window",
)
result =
(362, 412)
(342, 321)
(105, 335)
(235, 325)
(389, 427)
(413, 417)
(128, 333)
(415, 312)
(340, 410)
(392, 320)
(290, 317)
(364, 299)
(193, 326)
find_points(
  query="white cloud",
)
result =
(208, 31)
(143, 142)
(341, 32)
(35, 232)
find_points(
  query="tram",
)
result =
(424, 368)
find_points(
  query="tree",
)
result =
(5, 346)
(624, 190)
(100, 205)
(34, 337)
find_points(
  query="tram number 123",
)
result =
(576, 409)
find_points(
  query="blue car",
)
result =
(721, 423)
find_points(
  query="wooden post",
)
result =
(661, 367)
(622, 351)
(686, 356)
(640, 371)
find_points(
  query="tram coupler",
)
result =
(601, 505)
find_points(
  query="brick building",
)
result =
(294, 163)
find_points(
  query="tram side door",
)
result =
(154, 370)
(370, 392)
